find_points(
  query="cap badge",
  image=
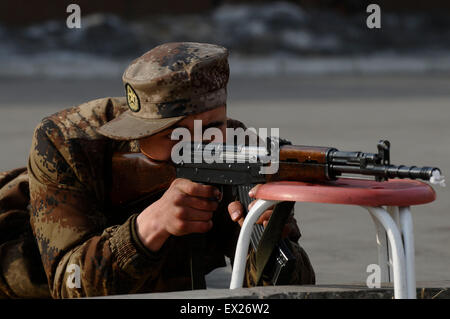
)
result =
(132, 99)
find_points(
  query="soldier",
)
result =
(71, 221)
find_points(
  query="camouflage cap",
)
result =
(167, 84)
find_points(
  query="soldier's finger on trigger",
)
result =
(200, 203)
(199, 190)
(235, 210)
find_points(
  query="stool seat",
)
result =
(395, 192)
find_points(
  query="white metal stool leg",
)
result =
(408, 242)
(382, 248)
(398, 253)
(394, 212)
(240, 256)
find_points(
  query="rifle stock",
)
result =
(134, 175)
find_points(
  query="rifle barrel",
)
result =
(387, 171)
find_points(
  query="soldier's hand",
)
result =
(236, 211)
(186, 207)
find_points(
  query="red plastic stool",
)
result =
(391, 223)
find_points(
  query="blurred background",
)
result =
(311, 68)
(264, 37)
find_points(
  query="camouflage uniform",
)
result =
(73, 222)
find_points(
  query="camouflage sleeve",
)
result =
(69, 226)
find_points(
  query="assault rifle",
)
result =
(242, 167)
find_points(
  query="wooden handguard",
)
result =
(302, 163)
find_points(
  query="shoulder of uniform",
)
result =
(82, 121)
(68, 141)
